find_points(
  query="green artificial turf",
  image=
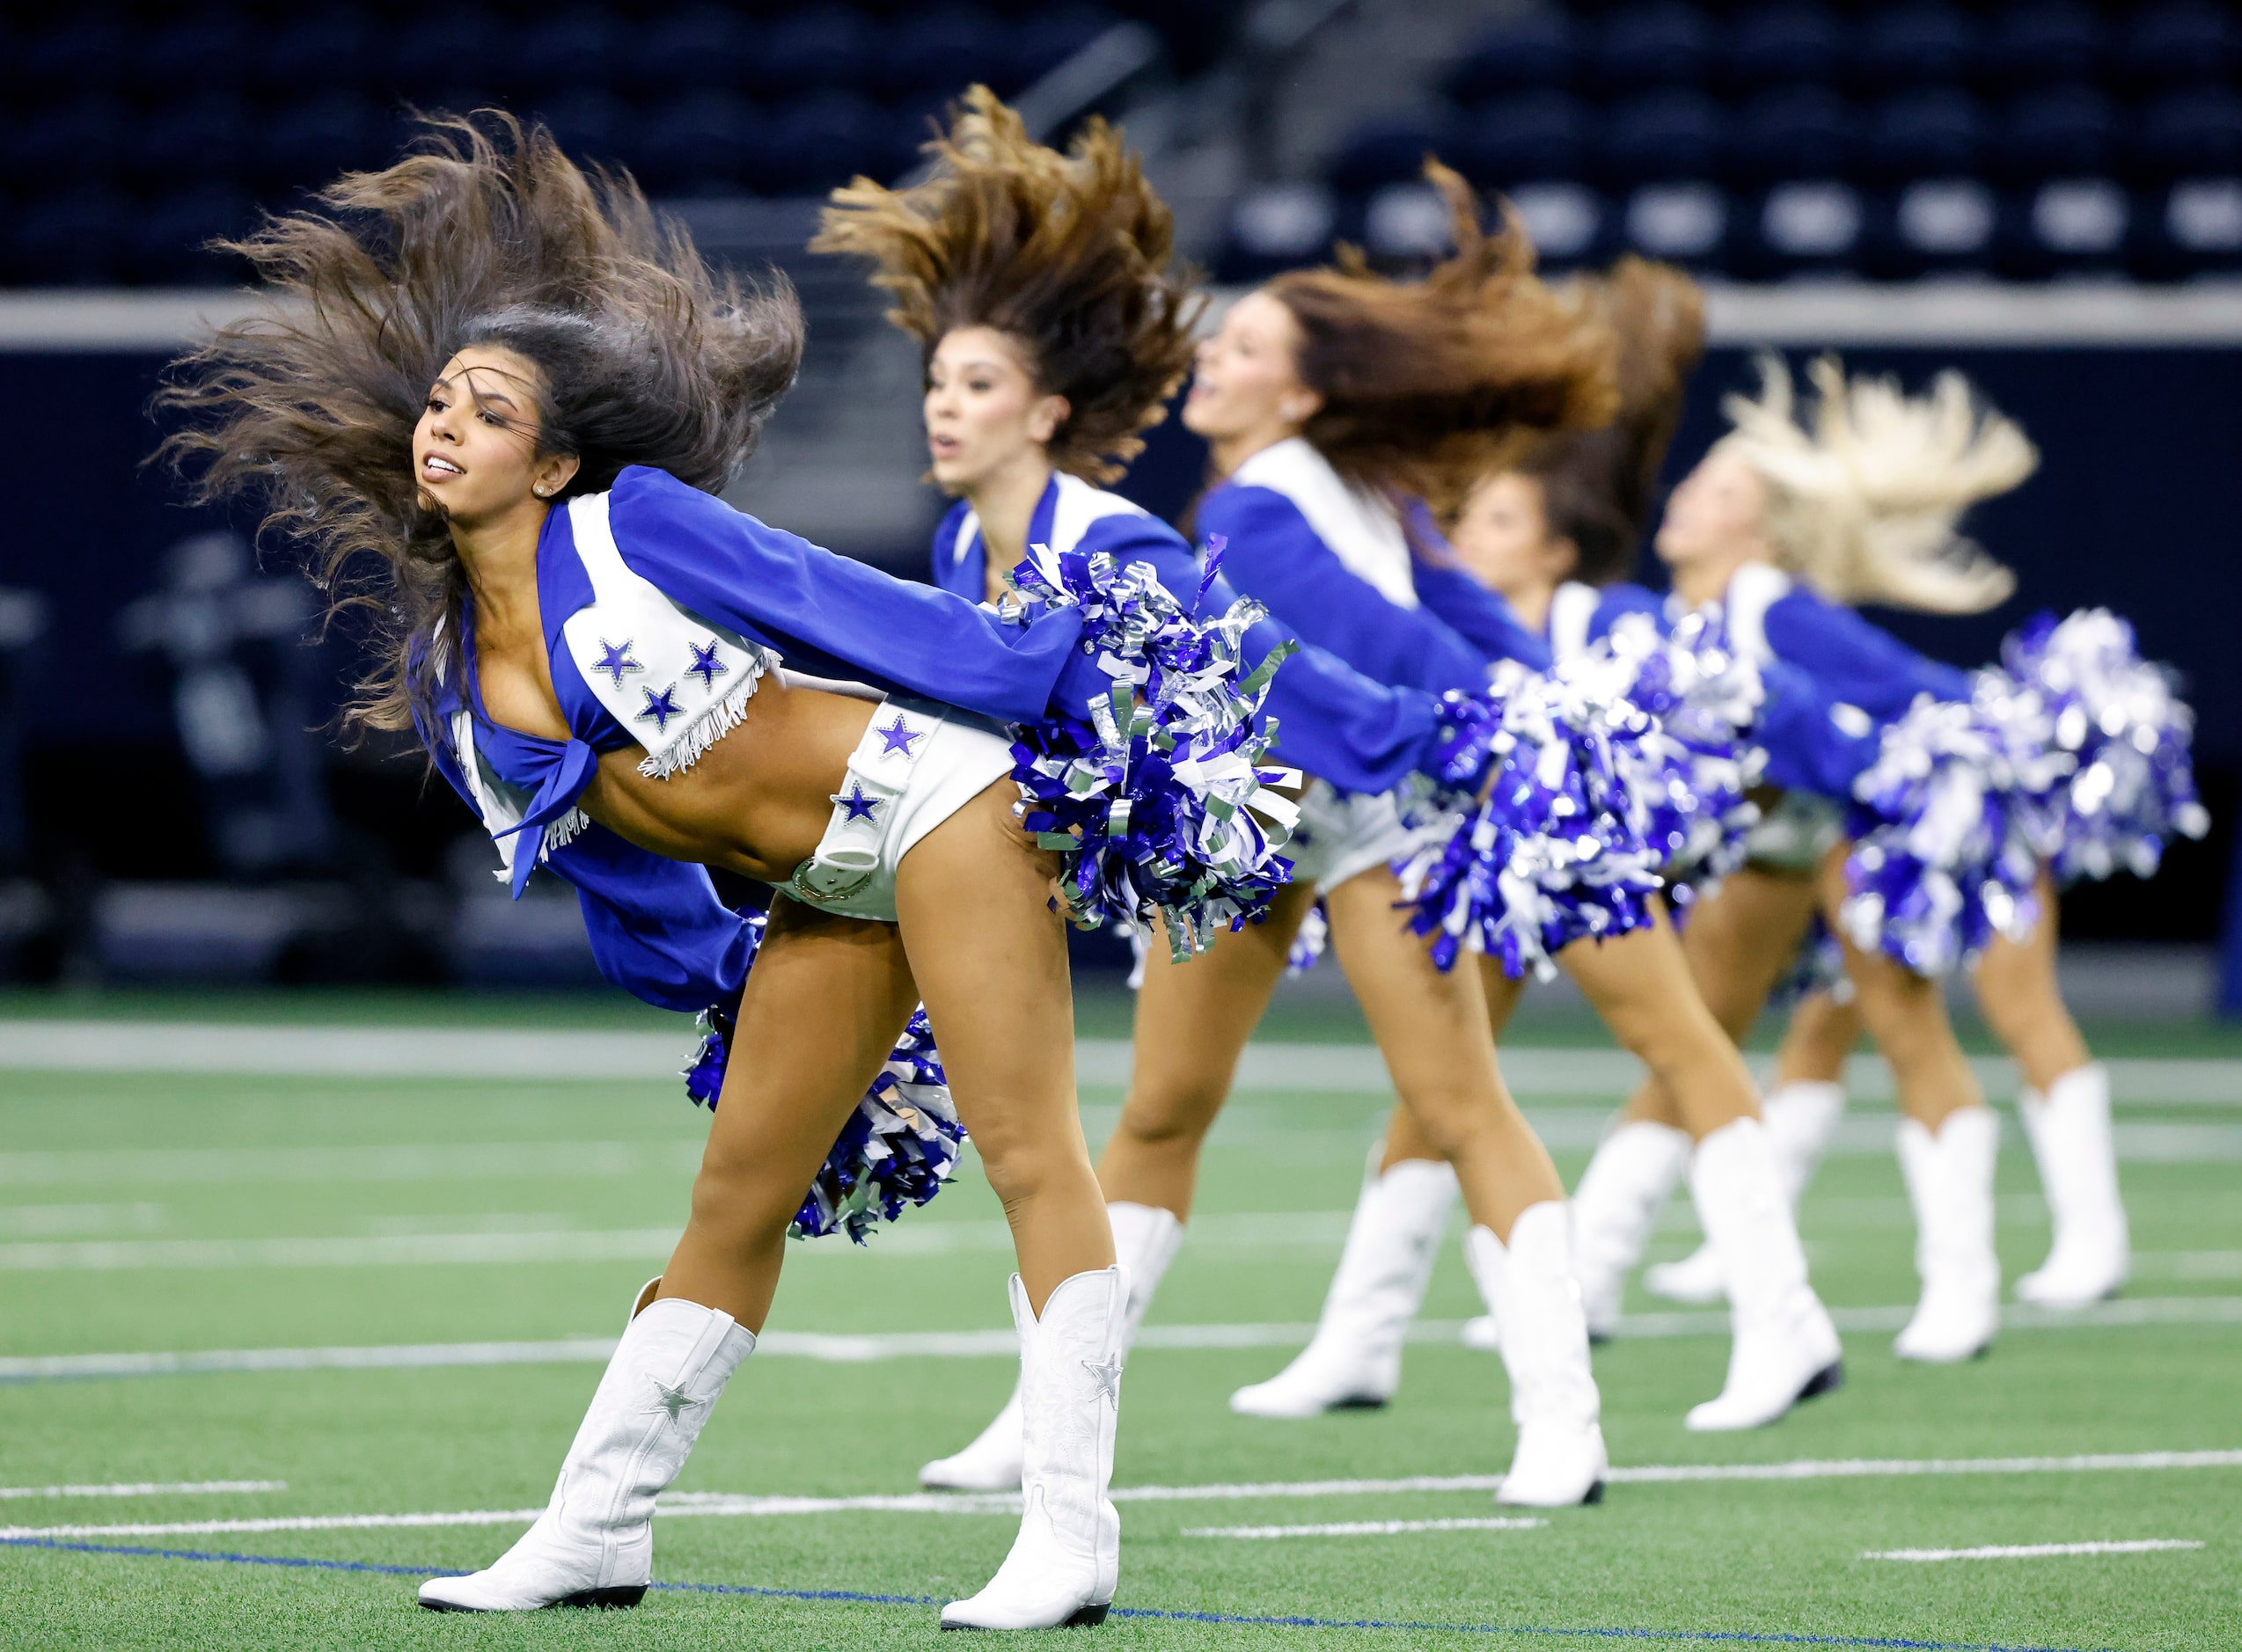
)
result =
(155, 1164)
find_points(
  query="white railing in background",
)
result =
(1800, 315)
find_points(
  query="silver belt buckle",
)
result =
(822, 883)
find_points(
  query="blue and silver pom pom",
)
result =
(1943, 856)
(1686, 778)
(1544, 849)
(897, 1149)
(1156, 798)
(2130, 786)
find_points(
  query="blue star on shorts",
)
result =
(856, 805)
(660, 708)
(898, 736)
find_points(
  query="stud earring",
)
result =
(542, 490)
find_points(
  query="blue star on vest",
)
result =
(660, 708)
(615, 660)
(856, 805)
(898, 736)
(705, 665)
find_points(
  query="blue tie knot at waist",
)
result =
(560, 772)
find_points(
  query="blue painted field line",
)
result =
(1154, 1614)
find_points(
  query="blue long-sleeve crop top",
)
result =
(1334, 567)
(1358, 734)
(661, 606)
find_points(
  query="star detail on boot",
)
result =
(676, 1401)
(1109, 1377)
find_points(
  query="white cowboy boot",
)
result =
(1532, 1295)
(1066, 1560)
(1355, 1358)
(1800, 1118)
(1784, 1348)
(2070, 1131)
(594, 1544)
(1621, 1193)
(1144, 1241)
(1950, 1183)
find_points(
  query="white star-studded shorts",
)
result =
(919, 763)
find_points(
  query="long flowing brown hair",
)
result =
(485, 234)
(1067, 254)
(1597, 485)
(1428, 384)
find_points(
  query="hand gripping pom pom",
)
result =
(1943, 857)
(897, 1148)
(1155, 798)
(1543, 848)
(2130, 786)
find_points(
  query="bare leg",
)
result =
(990, 959)
(1640, 983)
(1947, 1143)
(2018, 991)
(1906, 1014)
(1821, 1034)
(1801, 1111)
(1405, 1137)
(1432, 1027)
(1739, 941)
(1193, 1019)
(2065, 1107)
(822, 1006)
(1785, 1349)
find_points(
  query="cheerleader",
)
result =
(1326, 396)
(1555, 534)
(1786, 525)
(1572, 507)
(2123, 788)
(514, 391)
(1037, 285)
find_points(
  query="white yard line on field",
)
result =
(720, 1504)
(359, 1051)
(147, 1488)
(417, 1161)
(1364, 1528)
(2032, 1551)
(870, 1348)
(1284, 1230)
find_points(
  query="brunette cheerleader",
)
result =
(513, 391)
(1306, 391)
(1038, 286)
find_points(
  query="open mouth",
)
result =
(436, 468)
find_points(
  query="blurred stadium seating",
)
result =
(2023, 140)
(171, 805)
(129, 136)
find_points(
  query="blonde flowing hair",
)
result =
(1866, 495)
(1070, 255)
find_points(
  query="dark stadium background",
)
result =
(1772, 147)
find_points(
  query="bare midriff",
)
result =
(756, 801)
